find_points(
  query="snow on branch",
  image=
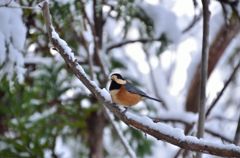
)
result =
(158, 130)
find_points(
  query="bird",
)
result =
(124, 93)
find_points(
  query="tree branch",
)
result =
(157, 130)
(204, 71)
(204, 68)
(95, 40)
(237, 134)
(120, 44)
(153, 81)
(126, 145)
(222, 90)
(196, 18)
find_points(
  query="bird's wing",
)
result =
(131, 88)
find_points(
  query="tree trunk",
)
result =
(96, 123)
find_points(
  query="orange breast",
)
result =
(125, 98)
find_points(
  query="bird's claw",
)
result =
(125, 110)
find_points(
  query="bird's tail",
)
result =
(153, 99)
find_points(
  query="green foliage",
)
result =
(35, 116)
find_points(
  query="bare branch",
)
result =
(120, 44)
(96, 45)
(197, 17)
(157, 130)
(204, 71)
(237, 134)
(153, 81)
(222, 90)
(126, 145)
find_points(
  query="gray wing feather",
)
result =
(130, 88)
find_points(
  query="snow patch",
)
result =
(164, 21)
(104, 93)
(12, 39)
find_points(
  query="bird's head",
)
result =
(118, 79)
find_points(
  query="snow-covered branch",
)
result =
(158, 130)
(189, 119)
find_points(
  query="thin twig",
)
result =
(153, 81)
(183, 121)
(204, 71)
(214, 102)
(120, 44)
(116, 128)
(196, 18)
(81, 39)
(96, 49)
(236, 140)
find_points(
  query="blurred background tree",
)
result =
(47, 112)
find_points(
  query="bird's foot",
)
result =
(125, 110)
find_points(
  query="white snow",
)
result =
(38, 60)
(37, 116)
(105, 94)
(164, 21)
(3, 53)
(12, 39)
(64, 45)
(187, 117)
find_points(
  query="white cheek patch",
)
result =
(120, 81)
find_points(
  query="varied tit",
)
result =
(124, 93)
